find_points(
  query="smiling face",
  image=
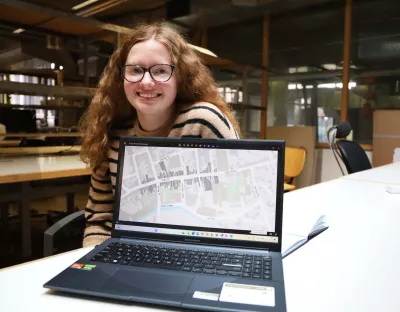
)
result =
(150, 98)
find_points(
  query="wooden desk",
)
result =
(10, 143)
(44, 134)
(23, 170)
(353, 266)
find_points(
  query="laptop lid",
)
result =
(214, 192)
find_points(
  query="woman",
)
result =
(154, 85)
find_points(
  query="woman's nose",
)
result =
(147, 80)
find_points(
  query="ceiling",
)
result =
(302, 32)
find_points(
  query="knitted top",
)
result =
(200, 120)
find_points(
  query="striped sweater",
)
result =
(201, 120)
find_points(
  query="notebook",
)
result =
(197, 224)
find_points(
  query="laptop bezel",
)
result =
(277, 145)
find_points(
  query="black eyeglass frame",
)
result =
(145, 70)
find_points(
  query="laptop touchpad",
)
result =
(147, 285)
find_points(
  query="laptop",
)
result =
(197, 224)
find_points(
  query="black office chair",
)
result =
(351, 153)
(64, 235)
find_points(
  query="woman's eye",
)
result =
(137, 70)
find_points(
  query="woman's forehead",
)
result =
(149, 51)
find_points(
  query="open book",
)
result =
(299, 226)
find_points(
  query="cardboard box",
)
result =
(386, 136)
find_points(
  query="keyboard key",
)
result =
(246, 275)
(197, 270)
(229, 268)
(267, 276)
(207, 271)
(235, 274)
(186, 269)
(221, 272)
(256, 275)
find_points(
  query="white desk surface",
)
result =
(19, 169)
(389, 174)
(353, 266)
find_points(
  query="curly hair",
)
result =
(109, 106)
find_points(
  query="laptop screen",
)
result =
(198, 189)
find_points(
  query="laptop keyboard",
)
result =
(187, 260)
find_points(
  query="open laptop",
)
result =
(197, 224)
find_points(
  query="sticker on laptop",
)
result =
(248, 294)
(77, 266)
(205, 296)
(81, 266)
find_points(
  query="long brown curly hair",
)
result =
(110, 106)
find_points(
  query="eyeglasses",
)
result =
(158, 72)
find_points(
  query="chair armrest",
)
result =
(48, 241)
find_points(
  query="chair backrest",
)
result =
(354, 157)
(295, 158)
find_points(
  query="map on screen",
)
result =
(200, 187)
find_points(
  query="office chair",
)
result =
(351, 153)
(295, 159)
(64, 235)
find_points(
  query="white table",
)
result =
(33, 168)
(388, 174)
(353, 266)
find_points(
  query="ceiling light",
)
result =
(52, 65)
(18, 31)
(83, 4)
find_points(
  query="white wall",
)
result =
(327, 168)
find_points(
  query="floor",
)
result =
(44, 212)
